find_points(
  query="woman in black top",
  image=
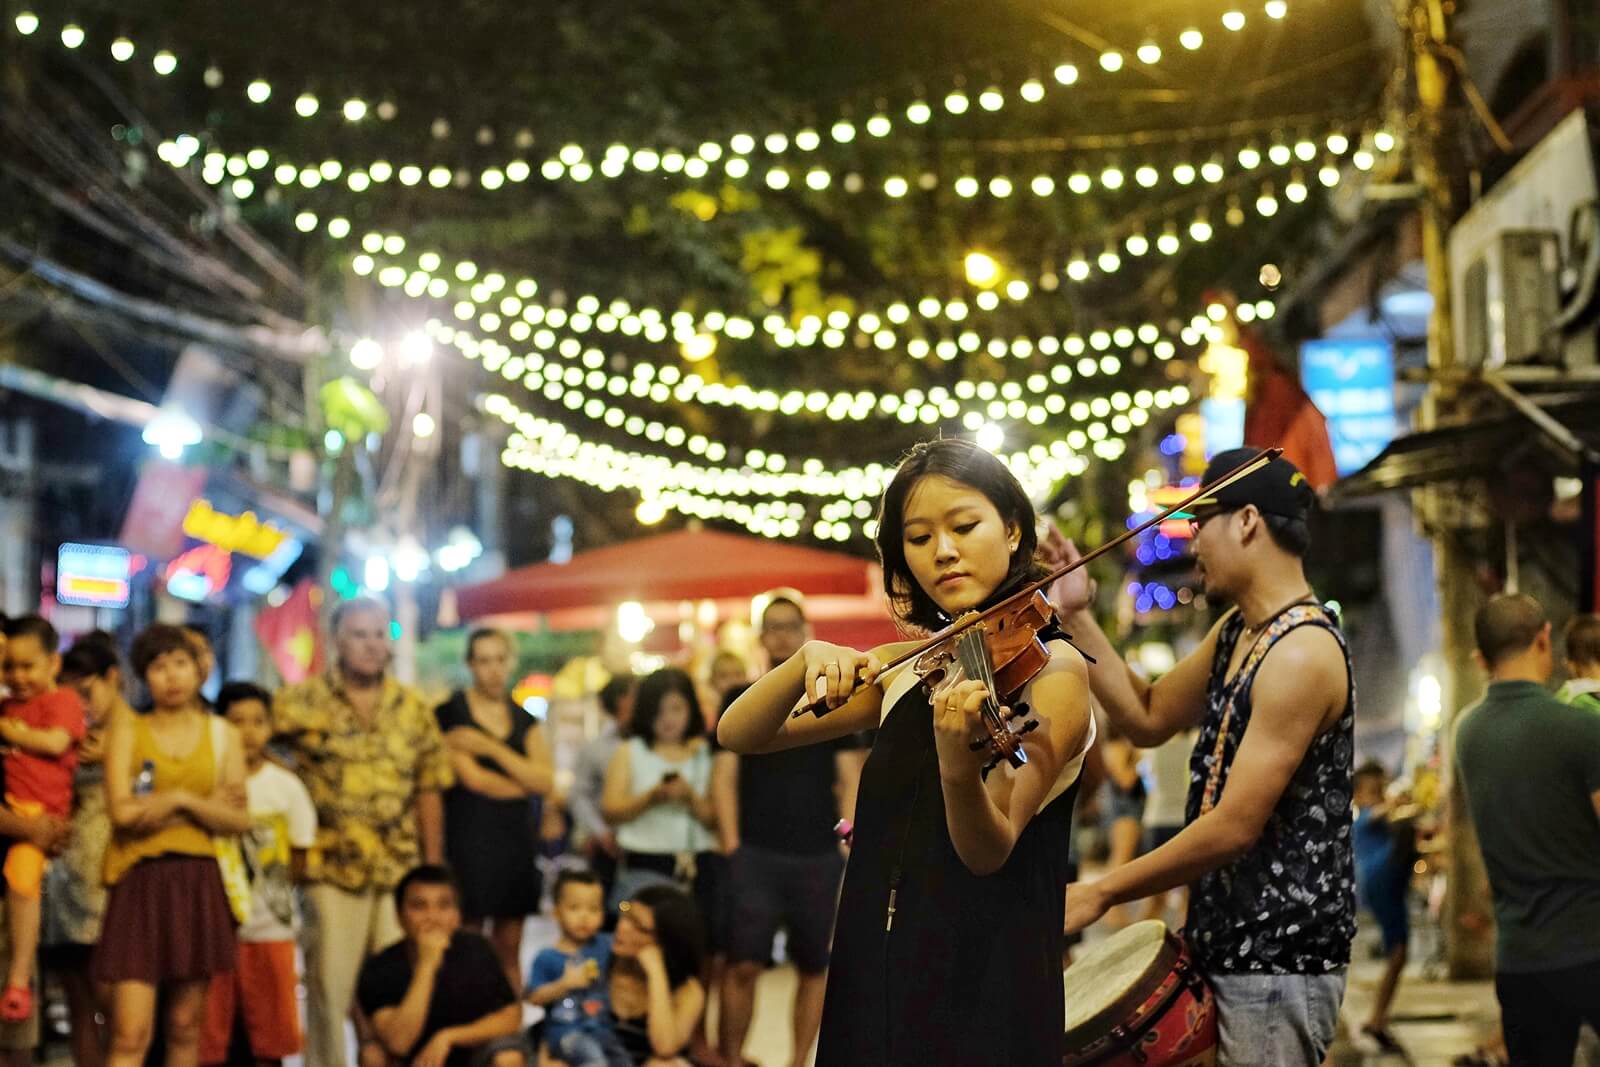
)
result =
(503, 768)
(656, 957)
(948, 941)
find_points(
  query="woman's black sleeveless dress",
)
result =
(969, 975)
(491, 843)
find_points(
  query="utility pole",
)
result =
(1439, 170)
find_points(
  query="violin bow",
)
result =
(1243, 470)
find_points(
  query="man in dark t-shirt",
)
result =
(1531, 769)
(439, 998)
(776, 815)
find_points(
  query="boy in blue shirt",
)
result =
(569, 980)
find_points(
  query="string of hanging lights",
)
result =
(358, 107)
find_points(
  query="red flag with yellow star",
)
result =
(291, 635)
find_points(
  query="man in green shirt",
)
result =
(1531, 768)
(1582, 641)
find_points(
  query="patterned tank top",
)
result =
(1288, 905)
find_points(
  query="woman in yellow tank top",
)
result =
(174, 777)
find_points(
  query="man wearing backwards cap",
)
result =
(1266, 848)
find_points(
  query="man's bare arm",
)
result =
(1297, 689)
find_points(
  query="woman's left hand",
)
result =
(957, 723)
(651, 960)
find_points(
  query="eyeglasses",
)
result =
(1201, 518)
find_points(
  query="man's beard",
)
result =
(362, 678)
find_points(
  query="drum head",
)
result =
(1116, 974)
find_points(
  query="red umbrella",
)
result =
(682, 565)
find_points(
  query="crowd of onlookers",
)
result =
(181, 869)
(187, 872)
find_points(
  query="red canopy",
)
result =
(683, 565)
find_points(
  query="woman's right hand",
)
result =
(1074, 592)
(670, 790)
(834, 671)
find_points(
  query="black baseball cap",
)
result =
(1276, 489)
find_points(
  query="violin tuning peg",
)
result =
(1028, 727)
(1020, 711)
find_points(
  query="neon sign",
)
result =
(199, 573)
(233, 533)
(93, 576)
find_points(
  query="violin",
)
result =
(1000, 646)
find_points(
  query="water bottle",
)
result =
(145, 783)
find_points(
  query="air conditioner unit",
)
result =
(1507, 251)
(1511, 294)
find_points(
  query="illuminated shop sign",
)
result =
(245, 533)
(93, 576)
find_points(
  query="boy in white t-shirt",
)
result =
(284, 826)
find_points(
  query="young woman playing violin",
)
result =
(947, 948)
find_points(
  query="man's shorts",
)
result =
(771, 890)
(1286, 1020)
(262, 989)
(1385, 897)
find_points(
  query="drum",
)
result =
(1136, 999)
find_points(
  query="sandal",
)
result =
(16, 1005)
(1387, 1043)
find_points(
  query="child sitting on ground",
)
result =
(569, 980)
(41, 726)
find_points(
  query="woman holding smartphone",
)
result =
(658, 792)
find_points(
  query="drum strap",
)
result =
(1230, 696)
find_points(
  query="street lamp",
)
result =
(170, 432)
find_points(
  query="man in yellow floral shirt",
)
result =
(369, 751)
